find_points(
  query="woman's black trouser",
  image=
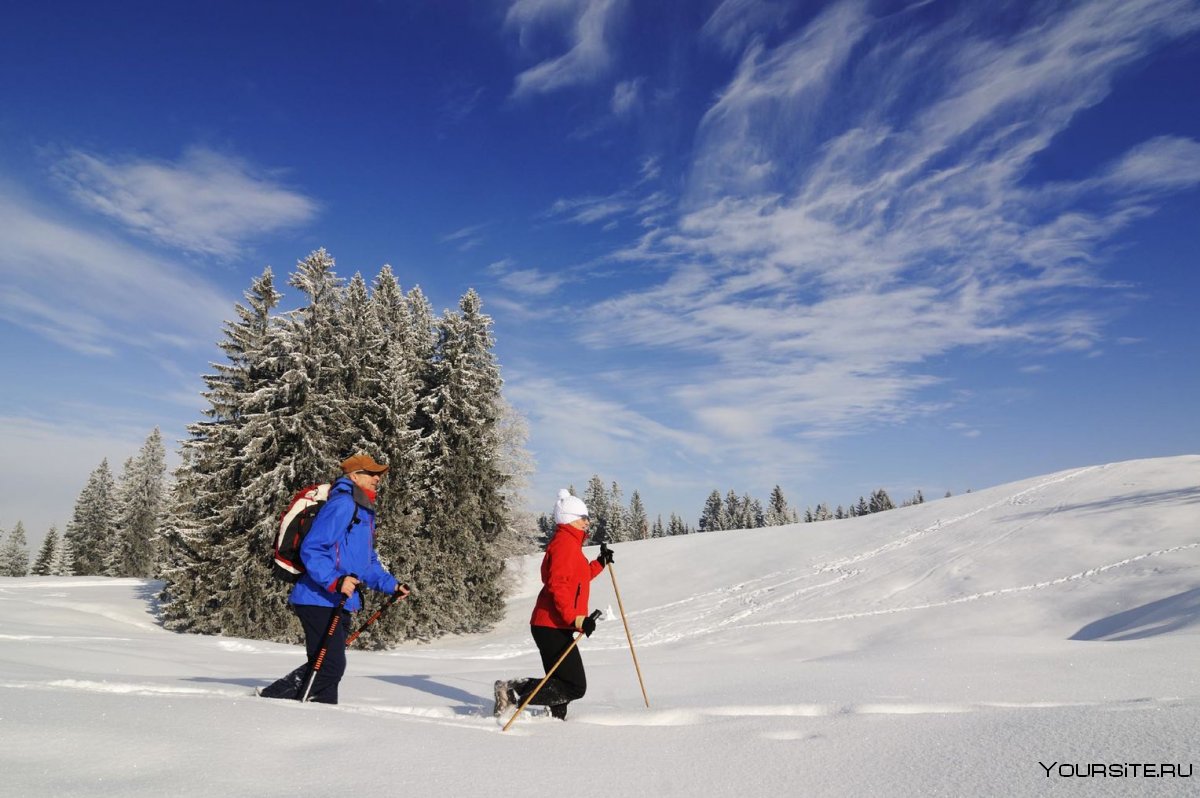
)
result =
(569, 682)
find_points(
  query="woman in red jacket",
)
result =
(561, 611)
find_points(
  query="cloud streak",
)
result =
(206, 202)
(588, 56)
(860, 204)
(95, 294)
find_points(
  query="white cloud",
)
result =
(532, 282)
(735, 22)
(859, 205)
(206, 202)
(589, 56)
(466, 238)
(93, 293)
(1161, 164)
(627, 96)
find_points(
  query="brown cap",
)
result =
(363, 462)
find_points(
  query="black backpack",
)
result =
(294, 523)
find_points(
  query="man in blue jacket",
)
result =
(338, 555)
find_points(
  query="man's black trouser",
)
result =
(315, 621)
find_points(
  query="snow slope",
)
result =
(960, 647)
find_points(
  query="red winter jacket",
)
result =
(566, 579)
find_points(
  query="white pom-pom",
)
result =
(563, 493)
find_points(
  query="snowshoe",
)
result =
(504, 697)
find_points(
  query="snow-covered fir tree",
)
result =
(455, 563)
(778, 512)
(48, 555)
(64, 557)
(596, 499)
(880, 501)
(14, 554)
(639, 527)
(712, 517)
(139, 510)
(231, 482)
(618, 527)
(517, 466)
(91, 530)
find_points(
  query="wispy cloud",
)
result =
(527, 282)
(639, 206)
(93, 293)
(859, 205)
(735, 22)
(586, 25)
(206, 202)
(466, 238)
(627, 96)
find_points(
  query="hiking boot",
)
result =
(559, 711)
(504, 697)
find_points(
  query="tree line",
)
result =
(113, 529)
(613, 521)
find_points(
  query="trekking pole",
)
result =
(594, 616)
(628, 636)
(334, 620)
(375, 617)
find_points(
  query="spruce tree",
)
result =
(597, 501)
(618, 526)
(91, 529)
(711, 517)
(237, 470)
(639, 527)
(14, 555)
(778, 513)
(64, 557)
(880, 501)
(464, 510)
(48, 554)
(139, 511)
(288, 433)
(755, 515)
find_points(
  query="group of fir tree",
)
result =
(14, 552)
(354, 369)
(114, 528)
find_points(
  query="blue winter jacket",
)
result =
(337, 545)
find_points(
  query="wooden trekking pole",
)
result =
(596, 614)
(605, 555)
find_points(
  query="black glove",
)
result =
(589, 626)
(401, 590)
(606, 555)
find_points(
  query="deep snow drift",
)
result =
(960, 647)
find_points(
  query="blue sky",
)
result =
(735, 244)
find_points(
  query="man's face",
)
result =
(366, 480)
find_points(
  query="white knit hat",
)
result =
(568, 508)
